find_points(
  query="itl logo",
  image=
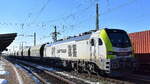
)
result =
(61, 51)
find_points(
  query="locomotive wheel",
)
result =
(91, 68)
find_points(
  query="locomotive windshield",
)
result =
(119, 38)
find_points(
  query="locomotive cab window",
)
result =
(100, 42)
(92, 42)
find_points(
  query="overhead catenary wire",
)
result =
(108, 5)
(119, 7)
(74, 14)
(41, 10)
(104, 13)
(66, 17)
(108, 11)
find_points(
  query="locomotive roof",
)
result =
(78, 38)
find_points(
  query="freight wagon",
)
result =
(141, 47)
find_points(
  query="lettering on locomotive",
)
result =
(61, 51)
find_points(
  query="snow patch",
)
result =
(1, 68)
(3, 81)
(17, 66)
(46, 68)
(4, 72)
(2, 63)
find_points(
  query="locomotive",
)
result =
(105, 51)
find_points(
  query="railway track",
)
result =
(127, 79)
(138, 79)
(65, 74)
(44, 76)
(47, 77)
(104, 80)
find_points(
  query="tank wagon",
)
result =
(37, 51)
(20, 53)
(26, 52)
(105, 51)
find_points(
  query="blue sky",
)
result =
(70, 16)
